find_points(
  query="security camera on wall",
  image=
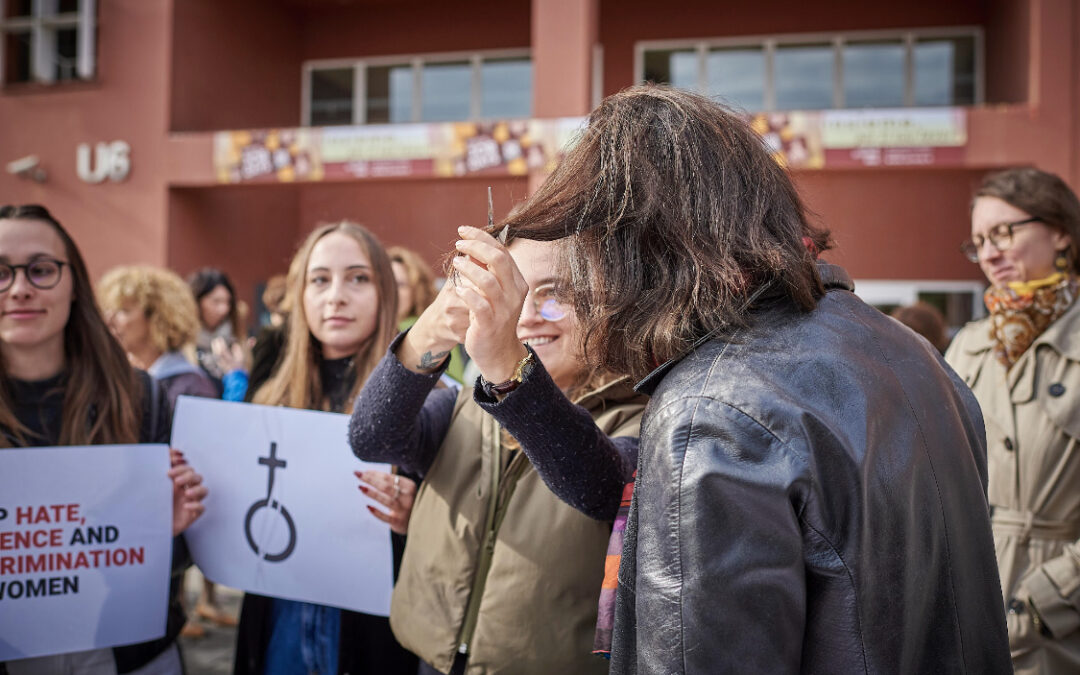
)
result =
(27, 167)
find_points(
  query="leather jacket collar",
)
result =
(833, 277)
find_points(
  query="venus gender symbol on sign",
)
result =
(272, 463)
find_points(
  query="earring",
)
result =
(1061, 262)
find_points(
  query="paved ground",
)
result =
(212, 654)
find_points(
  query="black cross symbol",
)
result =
(273, 463)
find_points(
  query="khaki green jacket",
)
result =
(1032, 415)
(496, 561)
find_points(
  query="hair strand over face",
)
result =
(672, 213)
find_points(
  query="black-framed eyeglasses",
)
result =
(546, 304)
(42, 274)
(1000, 235)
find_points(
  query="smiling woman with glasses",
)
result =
(65, 380)
(1023, 364)
(523, 471)
(43, 274)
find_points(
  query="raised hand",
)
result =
(438, 330)
(229, 355)
(494, 290)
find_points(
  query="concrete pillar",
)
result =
(1052, 82)
(564, 33)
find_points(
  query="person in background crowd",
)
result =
(523, 473)
(220, 352)
(1023, 363)
(926, 320)
(59, 362)
(220, 344)
(415, 286)
(810, 494)
(152, 312)
(270, 342)
(273, 298)
(416, 291)
(342, 300)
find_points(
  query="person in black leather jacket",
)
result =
(811, 487)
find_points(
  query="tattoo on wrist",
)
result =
(431, 361)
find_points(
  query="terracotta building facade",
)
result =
(200, 132)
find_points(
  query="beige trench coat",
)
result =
(1032, 415)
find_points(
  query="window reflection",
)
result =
(16, 56)
(389, 94)
(801, 73)
(874, 74)
(506, 88)
(737, 77)
(677, 67)
(332, 96)
(945, 71)
(804, 77)
(446, 90)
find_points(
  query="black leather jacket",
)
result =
(811, 498)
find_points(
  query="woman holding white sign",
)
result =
(66, 381)
(523, 473)
(344, 302)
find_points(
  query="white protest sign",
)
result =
(85, 547)
(284, 516)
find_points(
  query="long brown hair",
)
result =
(202, 282)
(673, 214)
(1041, 195)
(419, 276)
(297, 383)
(102, 400)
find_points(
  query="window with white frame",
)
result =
(875, 69)
(47, 40)
(437, 88)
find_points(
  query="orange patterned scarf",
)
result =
(1021, 311)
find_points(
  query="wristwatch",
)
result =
(521, 371)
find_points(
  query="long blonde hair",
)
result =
(297, 382)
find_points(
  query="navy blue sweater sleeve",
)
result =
(398, 418)
(576, 460)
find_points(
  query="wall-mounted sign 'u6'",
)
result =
(110, 161)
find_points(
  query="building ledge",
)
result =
(981, 137)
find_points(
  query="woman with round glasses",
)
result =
(523, 473)
(1023, 364)
(65, 380)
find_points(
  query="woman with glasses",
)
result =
(66, 381)
(1023, 364)
(523, 473)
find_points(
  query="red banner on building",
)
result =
(798, 139)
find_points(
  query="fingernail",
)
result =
(458, 260)
(459, 243)
(371, 508)
(363, 489)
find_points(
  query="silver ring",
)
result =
(397, 486)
